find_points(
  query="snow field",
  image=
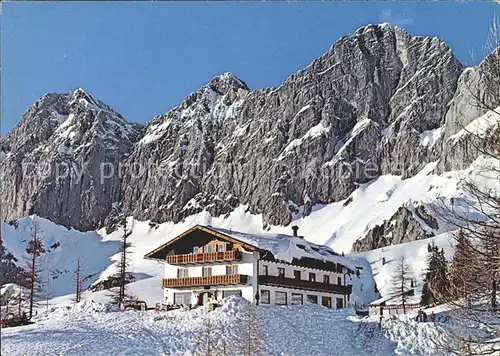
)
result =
(94, 328)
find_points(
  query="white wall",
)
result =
(248, 266)
(245, 267)
(374, 310)
(247, 293)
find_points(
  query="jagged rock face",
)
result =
(56, 160)
(377, 102)
(356, 112)
(168, 165)
(461, 145)
(403, 226)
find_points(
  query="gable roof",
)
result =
(282, 247)
(157, 253)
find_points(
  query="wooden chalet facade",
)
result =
(206, 263)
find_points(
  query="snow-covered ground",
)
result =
(93, 329)
(415, 254)
(297, 330)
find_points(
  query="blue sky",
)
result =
(143, 58)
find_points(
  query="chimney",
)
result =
(295, 228)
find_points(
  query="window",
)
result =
(220, 248)
(280, 298)
(265, 297)
(195, 250)
(182, 272)
(206, 272)
(182, 298)
(228, 293)
(312, 277)
(326, 302)
(296, 274)
(281, 272)
(266, 270)
(340, 303)
(312, 299)
(232, 269)
(326, 279)
(207, 248)
(297, 299)
(339, 268)
(339, 281)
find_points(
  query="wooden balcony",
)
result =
(232, 279)
(304, 284)
(201, 258)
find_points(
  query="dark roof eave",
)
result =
(149, 256)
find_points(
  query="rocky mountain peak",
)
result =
(365, 101)
(225, 82)
(377, 102)
(52, 161)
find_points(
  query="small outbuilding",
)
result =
(391, 305)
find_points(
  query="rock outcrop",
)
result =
(57, 160)
(405, 225)
(377, 102)
(354, 113)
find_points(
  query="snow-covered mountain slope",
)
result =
(98, 253)
(337, 225)
(415, 254)
(356, 112)
(302, 330)
(63, 247)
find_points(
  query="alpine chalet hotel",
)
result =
(207, 264)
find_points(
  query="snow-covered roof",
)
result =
(287, 247)
(397, 300)
(283, 247)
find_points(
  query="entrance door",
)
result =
(326, 302)
(340, 303)
(205, 297)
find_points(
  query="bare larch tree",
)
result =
(400, 282)
(475, 268)
(35, 251)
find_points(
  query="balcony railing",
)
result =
(304, 284)
(208, 257)
(232, 279)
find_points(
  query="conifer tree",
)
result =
(463, 269)
(78, 282)
(436, 284)
(121, 278)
